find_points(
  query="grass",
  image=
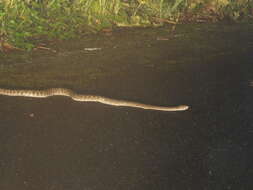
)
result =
(24, 22)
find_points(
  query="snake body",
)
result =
(86, 98)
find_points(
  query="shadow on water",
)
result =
(56, 143)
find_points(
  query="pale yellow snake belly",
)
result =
(87, 98)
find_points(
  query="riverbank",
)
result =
(25, 24)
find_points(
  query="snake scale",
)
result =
(86, 98)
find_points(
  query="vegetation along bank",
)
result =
(24, 23)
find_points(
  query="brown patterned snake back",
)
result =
(86, 98)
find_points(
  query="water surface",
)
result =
(56, 143)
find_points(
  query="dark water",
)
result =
(59, 144)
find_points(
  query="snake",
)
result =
(87, 98)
